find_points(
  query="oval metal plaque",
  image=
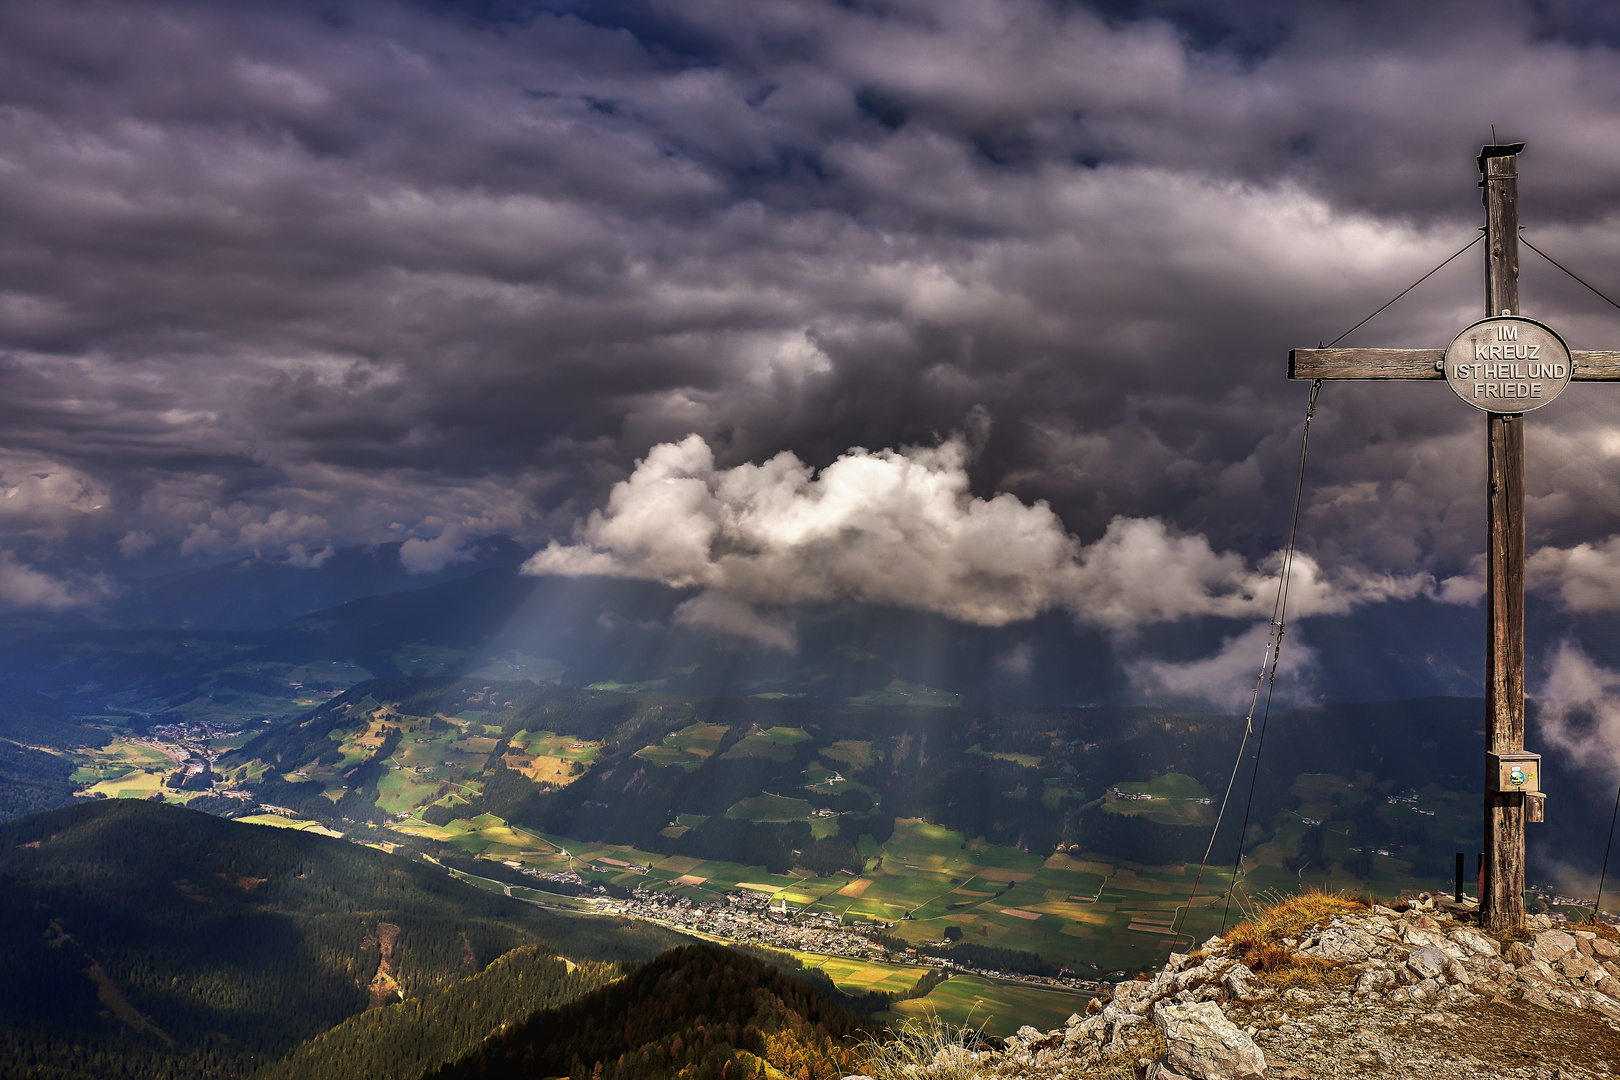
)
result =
(1508, 364)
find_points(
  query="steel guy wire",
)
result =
(1268, 662)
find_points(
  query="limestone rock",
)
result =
(1091, 1028)
(1201, 1043)
(1236, 981)
(1577, 966)
(1604, 1004)
(1411, 971)
(1160, 1071)
(1552, 946)
(1371, 982)
(1418, 936)
(1427, 962)
(1344, 943)
(1476, 943)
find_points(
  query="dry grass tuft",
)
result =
(1508, 937)
(923, 1049)
(1308, 972)
(1260, 940)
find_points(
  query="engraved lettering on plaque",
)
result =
(1507, 364)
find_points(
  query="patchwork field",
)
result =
(1170, 799)
(549, 758)
(774, 743)
(860, 976)
(915, 695)
(997, 1008)
(923, 883)
(688, 748)
(1029, 761)
(122, 769)
(1093, 915)
(277, 821)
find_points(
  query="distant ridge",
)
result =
(235, 941)
(262, 593)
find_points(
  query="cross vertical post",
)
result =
(1505, 365)
(1502, 900)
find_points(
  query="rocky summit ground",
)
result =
(1405, 991)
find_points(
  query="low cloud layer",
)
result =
(902, 527)
(1584, 578)
(420, 556)
(1227, 679)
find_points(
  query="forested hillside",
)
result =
(171, 943)
(698, 1012)
(403, 1040)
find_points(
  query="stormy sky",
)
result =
(975, 306)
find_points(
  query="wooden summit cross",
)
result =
(1505, 365)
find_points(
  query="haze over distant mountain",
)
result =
(585, 631)
(263, 593)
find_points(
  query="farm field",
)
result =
(122, 769)
(549, 758)
(997, 1008)
(1093, 915)
(914, 695)
(772, 808)
(448, 777)
(774, 743)
(1170, 799)
(860, 976)
(277, 821)
(688, 748)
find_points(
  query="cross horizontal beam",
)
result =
(1597, 366)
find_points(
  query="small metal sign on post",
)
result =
(1504, 365)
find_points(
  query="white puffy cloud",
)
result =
(1226, 680)
(902, 527)
(47, 498)
(1586, 577)
(244, 526)
(1579, 710)
(721, 614)
(430, 556)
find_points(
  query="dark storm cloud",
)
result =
(274, 278)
